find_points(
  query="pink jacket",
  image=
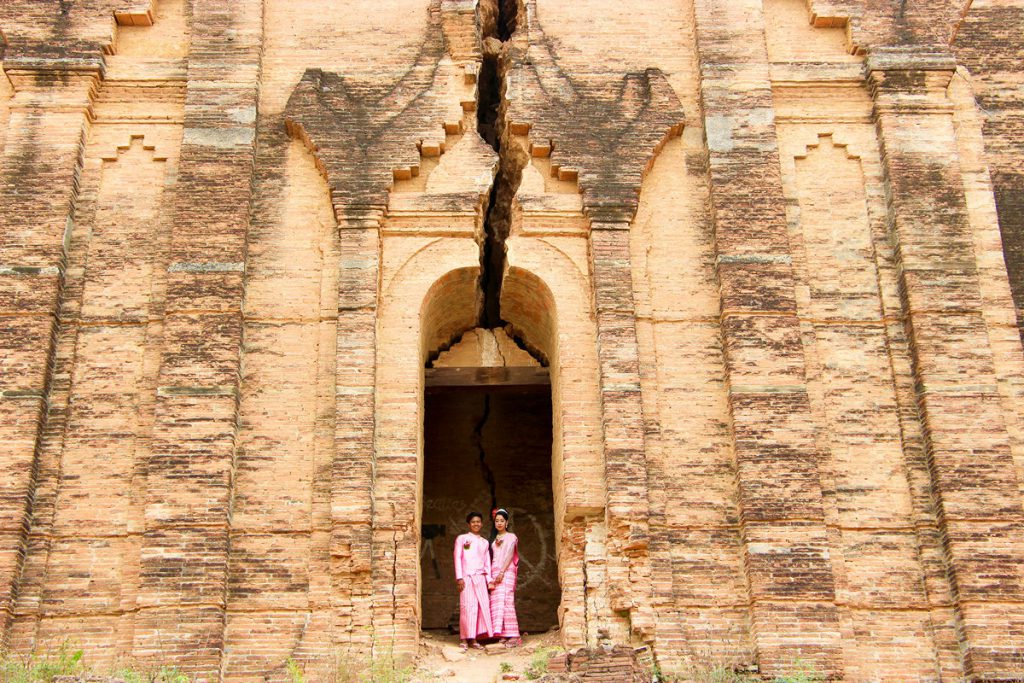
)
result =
(472, 560)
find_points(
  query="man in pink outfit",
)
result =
(472, 572)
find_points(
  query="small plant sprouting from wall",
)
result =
(295, 672)
(538, 665)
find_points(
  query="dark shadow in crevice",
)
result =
(491, 108)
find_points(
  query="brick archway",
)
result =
(487, 439)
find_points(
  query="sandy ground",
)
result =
(477, 666)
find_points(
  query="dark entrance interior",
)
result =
(487, 439)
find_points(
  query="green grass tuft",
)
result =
(803, 672)
(43, 667)
(65, 660)
(538, 665)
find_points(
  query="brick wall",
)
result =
(768, 250)
(982, 45)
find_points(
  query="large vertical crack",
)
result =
(478, 441)
(498, 21)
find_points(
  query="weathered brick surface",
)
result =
(979, 47)
(777, 458)
(972, 465)
(189, 470)
(767, 251)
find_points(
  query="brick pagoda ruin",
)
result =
(722, 298)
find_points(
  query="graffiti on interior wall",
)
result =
(536, 549)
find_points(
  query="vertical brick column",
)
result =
(966, 440)
(39, 172)
(352, 473)
(184, 556)
(981, 45)
(790, 576)
(625, 463)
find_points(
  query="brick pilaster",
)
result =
(966, 439)
(625, 458)
(39, 170)
(184, 556)
(790, 576)
(352, 518)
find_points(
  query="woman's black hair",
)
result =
(471, 515)
(494, 515)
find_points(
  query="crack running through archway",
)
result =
(499, 19)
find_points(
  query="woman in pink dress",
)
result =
(504, 572)
(472, 572)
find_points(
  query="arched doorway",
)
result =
(487, 440)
